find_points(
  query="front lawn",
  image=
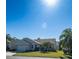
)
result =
(40, 54)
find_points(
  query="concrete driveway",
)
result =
(18, 57)
(10, 53)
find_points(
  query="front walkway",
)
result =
(10, 53)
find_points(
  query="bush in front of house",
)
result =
(47, 47)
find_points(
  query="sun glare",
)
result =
(50, 3)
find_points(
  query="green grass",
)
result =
(40, 54)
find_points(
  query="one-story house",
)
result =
(27, 44)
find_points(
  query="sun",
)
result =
(50, 3)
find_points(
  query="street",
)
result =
(18, 57)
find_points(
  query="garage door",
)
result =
(22, 48)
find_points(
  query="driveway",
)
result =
(17, 57)
(10, 53)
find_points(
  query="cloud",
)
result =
(44, 25)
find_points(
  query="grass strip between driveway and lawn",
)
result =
(41, 54)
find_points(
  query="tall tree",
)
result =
(8, 38)
(66, 39)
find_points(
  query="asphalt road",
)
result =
(17, 57)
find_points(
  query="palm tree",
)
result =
(66, 39)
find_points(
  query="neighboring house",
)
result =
(27, 44)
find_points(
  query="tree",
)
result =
(66, 40)
(46, 46)
(61, 44)
(9, 39)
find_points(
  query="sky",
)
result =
(38, 18)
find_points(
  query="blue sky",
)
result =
(35, 18)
